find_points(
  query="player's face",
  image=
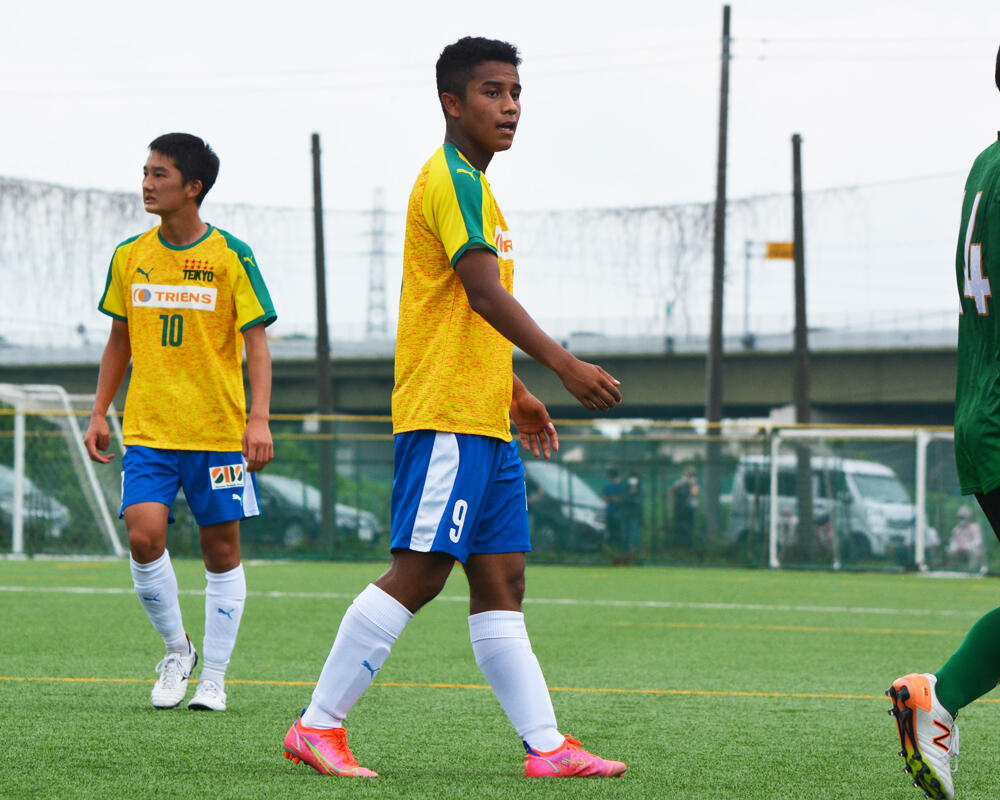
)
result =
(492, 106)
(163, 187)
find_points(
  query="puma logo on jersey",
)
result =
(249, 261)
(468, 172)
(141, 271)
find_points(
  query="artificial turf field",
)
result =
(708, 683)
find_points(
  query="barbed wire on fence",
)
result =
(874, 254)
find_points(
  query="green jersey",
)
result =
(977, 394)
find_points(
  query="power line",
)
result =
(665, 46)
(881, 40)
(816, 57)
(326, 71)
(360, 78)
(201, 89)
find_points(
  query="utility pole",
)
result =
(802, 414)
(324, 387)
(376, 327)
(748, 338)
(804, 480)
(713, 365)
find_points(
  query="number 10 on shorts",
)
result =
(458, 517)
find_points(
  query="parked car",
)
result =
(864, 502)
(291, 511)
(290, 516)
(43, 514)
(564, 512)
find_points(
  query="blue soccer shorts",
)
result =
(458, 493)
(217, 486)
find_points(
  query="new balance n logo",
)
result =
(939, 740)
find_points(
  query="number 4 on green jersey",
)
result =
(976, 285)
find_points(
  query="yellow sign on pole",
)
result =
(780, 250)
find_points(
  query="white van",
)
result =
(863, 501)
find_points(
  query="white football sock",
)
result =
(503, 653)
(367, 633)
(225, 596)
(156, 587)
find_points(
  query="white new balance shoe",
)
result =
(928, 734)
(174, 669)
(208, 696)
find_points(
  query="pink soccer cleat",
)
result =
(323, 749)
(568, 761)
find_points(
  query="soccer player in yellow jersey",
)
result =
(184, 298)
(458, 489)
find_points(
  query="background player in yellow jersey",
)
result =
(184, 298)
(458, 488)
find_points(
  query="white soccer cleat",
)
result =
(208, 696)
(174, 669)
(928, 734)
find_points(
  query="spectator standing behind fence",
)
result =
(631, 519)
(684, 496)
(613, 493)
(965, 548)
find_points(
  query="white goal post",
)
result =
(56, 406)
(921, 437)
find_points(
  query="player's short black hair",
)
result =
(192, 156)
(457, 61)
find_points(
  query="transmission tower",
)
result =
(376, 328)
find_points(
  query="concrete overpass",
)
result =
(858, 377)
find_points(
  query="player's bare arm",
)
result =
(534, 425)
(258, 447)
(588, 383)
(114, 362)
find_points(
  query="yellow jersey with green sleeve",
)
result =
(453, 370)
(186, 309)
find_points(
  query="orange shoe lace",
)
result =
(337, 739)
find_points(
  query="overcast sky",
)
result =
(620, 102)
(620, 108)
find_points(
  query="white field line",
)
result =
(552, 601)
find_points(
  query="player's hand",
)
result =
(591, 385)
(258, 447)
(98, 439)
(534, 425)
